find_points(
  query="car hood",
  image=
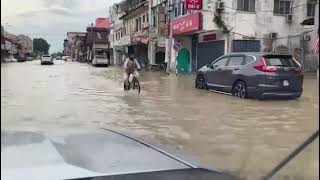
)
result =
(36, 155)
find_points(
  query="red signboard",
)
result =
(193, 4)
(103, 22)
(187, 24)
(209, 37)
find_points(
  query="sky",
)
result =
(51, 19)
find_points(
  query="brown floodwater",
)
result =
(244, 137)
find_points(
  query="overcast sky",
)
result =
(51, 19)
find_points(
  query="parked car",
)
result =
(21, 58)
(58, 58)
(10, 59)
(100, 60)
(253, 75)
(29, 58)
(65, 58)
(46, 59)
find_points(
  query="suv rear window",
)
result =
(280, 61)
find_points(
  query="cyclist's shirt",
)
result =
(131, 65)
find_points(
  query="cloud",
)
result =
(40, 12)
(64, 3)
(52, 19)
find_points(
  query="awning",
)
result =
(309, 21)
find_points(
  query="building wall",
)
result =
(243, 25)
(257, 24)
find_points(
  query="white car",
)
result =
(100, 60)
(65, 58)
(10, 59)
(46, 59)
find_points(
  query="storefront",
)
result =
(208, 47)
(184, 29)
(139, 48)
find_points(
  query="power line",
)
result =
(270, 10)
(284, 37)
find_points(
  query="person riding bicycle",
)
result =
(130, 67)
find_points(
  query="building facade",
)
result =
(208, 29)
(133, 35)
(96, 42)
(221, 27)
(26, 46)
(159, 19)
(116, 28)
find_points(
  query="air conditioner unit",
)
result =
(306, 37)
(219, 5)
(289, 17)
(273, 35)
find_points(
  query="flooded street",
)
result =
(244, 137)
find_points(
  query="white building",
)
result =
(116, 28)
(131, 32)
(218, 27)
(242, 25)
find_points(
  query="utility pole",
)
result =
(170, 34)
(93, 40)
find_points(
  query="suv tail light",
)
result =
(264, 68)
(299, 71)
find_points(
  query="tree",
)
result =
(40, 46)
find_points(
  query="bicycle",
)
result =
(134, 84)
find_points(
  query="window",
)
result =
(166, 18)
(140, 23)
(282, 6)
(154, 21)
(311, 7)
(248, 59)
(144, 18)
(179, 10)
(137, 24)
(221, 62)
(235, 61)
(246, 5)
(147, 18)
(124, 33)
(281, 61)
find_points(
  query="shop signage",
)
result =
(209, 37)
(140, 40)
(193, 4)
(187, 24)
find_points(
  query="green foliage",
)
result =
(57, 54)
(40, 46)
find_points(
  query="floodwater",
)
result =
(244, 137)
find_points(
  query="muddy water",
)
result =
(244, 137)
